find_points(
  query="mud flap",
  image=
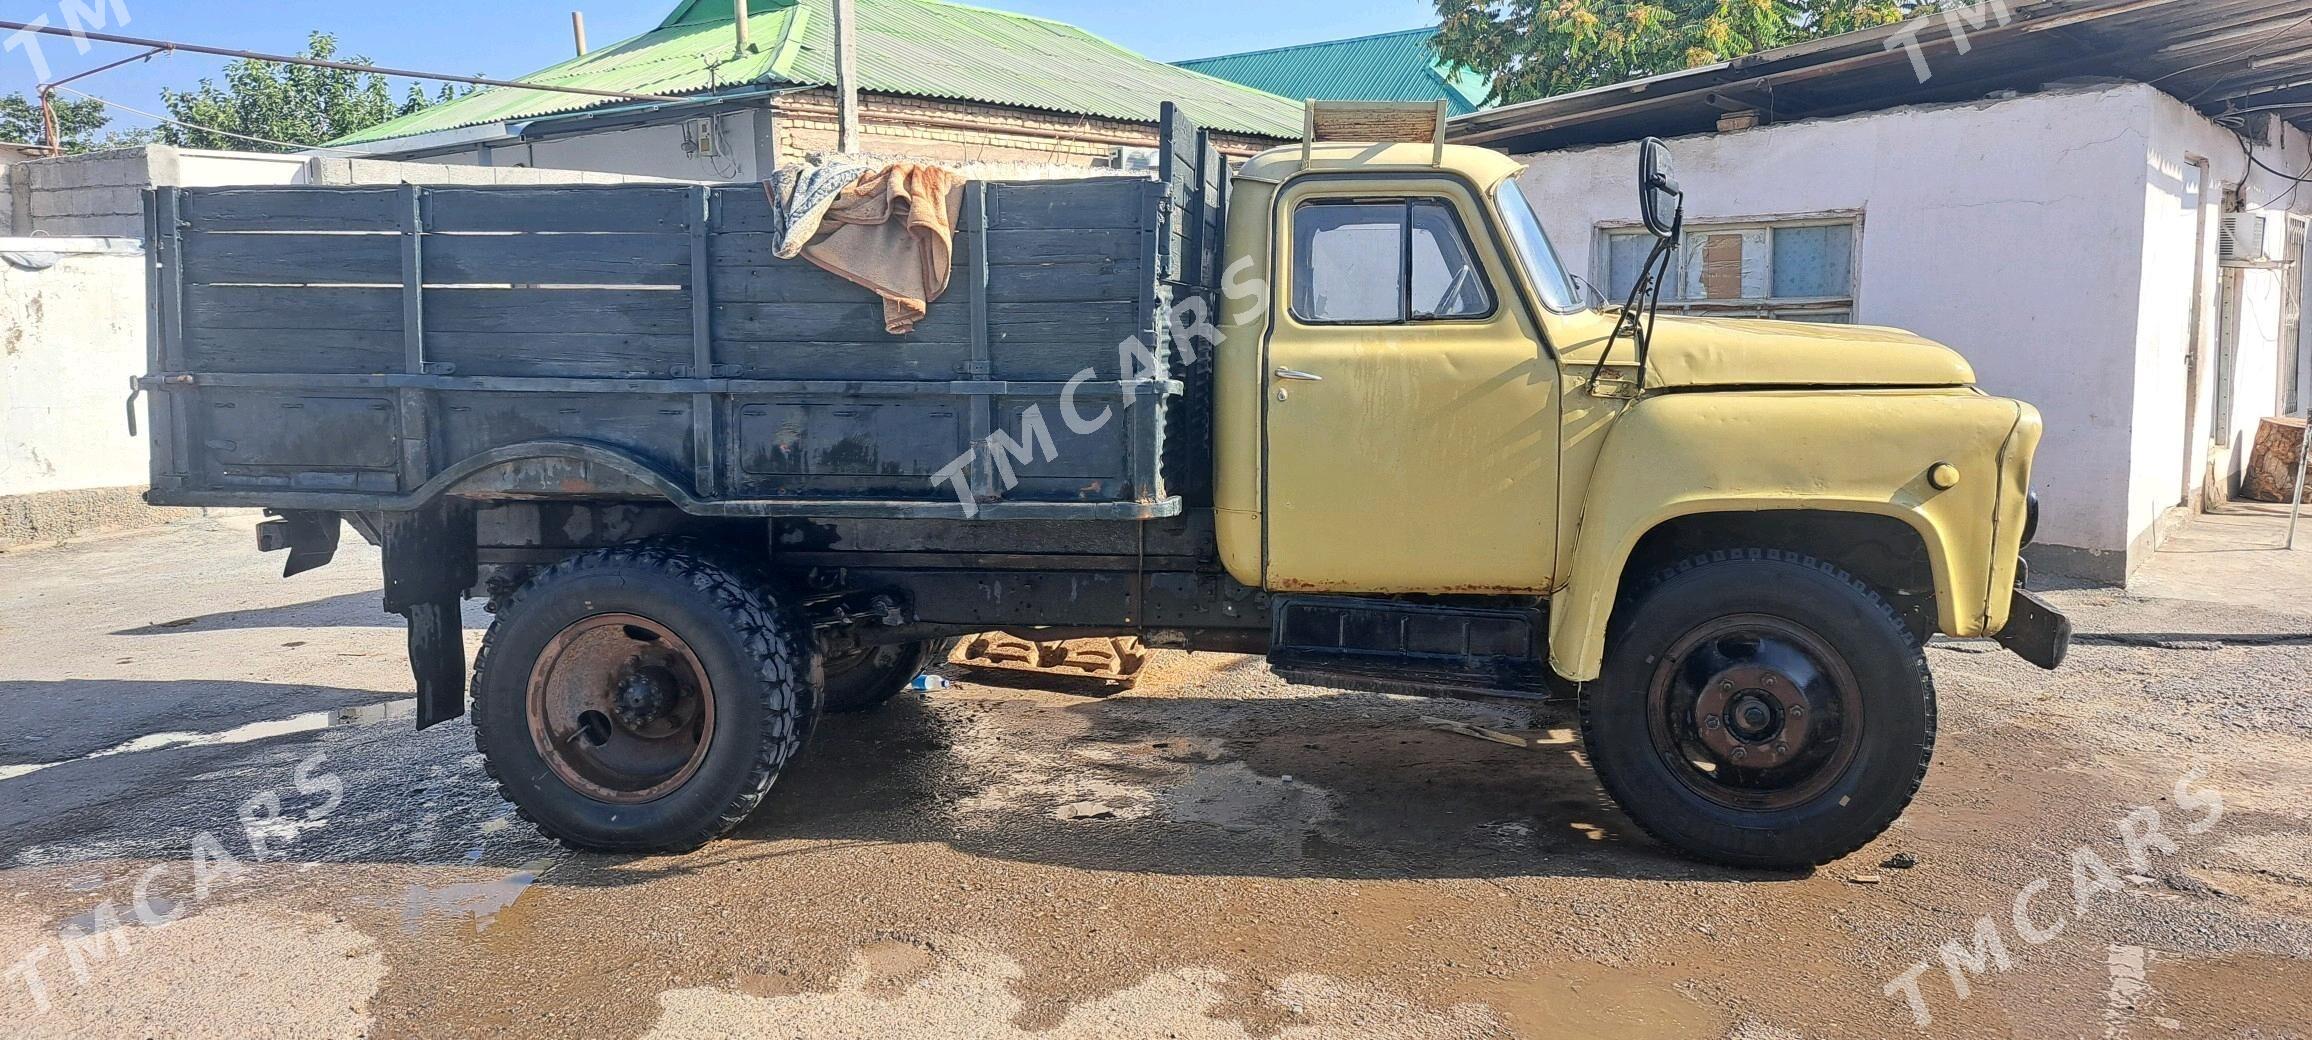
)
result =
(2037, 632)
(310, 536)
(429, 565)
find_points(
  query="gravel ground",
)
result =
(1214, 854)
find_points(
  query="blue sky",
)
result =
(507, 38)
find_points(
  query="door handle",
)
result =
(1299, 376)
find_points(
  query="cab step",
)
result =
(1415, 648)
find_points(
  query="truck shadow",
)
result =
(1343, 786)
(67, 719)
(1337, 786)
(350, 610)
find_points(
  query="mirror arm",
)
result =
(1667, 246)
(1649, 290)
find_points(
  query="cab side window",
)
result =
(1361, 262)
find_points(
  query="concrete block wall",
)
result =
(96, 194)
(100, 194)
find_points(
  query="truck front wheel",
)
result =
(639, 699)
(1761, 709)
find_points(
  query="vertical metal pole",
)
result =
(2296, 501)
(742, 20)
(706, 467)
(846, 78)
(168, 245)
(415, 403)
(578, 30)
(981, 368)
(48, 120)
(412, 215)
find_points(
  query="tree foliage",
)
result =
(298, 105)
(1539, 48)
(80, 124)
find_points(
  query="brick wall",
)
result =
(966, 132)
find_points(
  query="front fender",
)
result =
(1679, 455)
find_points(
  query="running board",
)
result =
(1421, 649)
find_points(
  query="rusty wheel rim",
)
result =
(1755, 712)
(620, 708)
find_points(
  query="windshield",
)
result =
(1533, 248)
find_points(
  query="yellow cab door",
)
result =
(1412, 409)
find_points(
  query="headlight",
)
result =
(2031, 519)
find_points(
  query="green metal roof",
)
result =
(1398, 66)
(919, 48)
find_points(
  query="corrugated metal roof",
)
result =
(1398, 66)
(919, 48)
(2228, 58)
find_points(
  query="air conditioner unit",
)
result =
(2244, 239)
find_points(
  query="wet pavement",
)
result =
(215, 821)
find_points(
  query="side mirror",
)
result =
(1660, 201)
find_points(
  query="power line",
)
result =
(346, 66)
(210, 129)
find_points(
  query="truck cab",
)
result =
(1422, 366)
(1341, 407)
(1738, 533)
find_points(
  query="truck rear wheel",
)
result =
(868, 678)
(1761, 709)
(639, 699)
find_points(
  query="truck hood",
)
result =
(1691, 353)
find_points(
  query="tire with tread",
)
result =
(881, 674)
(754, 654)
(1884, 655)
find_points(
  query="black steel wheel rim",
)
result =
(1755, 713)
(621, 708)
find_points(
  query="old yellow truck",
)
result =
(1341, 407)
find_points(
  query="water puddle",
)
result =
(355, 715)
(480, 902)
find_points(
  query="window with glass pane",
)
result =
(1802, 270)
(1446, 282)
(1385, 263)
(1350, 263)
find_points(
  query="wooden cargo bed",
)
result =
(372, 348)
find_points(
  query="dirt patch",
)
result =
(226, 973)
(962, 988)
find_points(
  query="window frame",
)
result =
(1406, 317)
(1776, 307)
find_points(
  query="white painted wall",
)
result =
(2178, 136)
(208, 169)
(653, 151)
(2024, 232)
(71, 336)
(646, 151)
